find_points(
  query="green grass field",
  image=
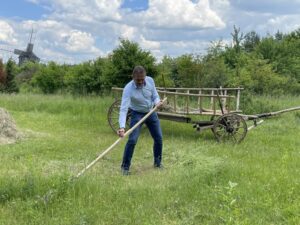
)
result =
(255, 182)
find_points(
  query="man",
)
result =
(140, 95)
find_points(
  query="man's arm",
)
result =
(155, 96)
(124, 109)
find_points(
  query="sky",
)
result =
(73, 31)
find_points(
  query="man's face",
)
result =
(139, 79)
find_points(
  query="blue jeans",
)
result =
(153, 125)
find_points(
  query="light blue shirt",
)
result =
(140, 99)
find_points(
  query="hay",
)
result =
(8, 129)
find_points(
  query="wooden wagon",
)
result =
(190, 105)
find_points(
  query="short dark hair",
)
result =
(138, 70)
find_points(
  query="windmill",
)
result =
(28, 54)
(25, 55)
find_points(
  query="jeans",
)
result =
(153, 124)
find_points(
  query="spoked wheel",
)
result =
(230, 127)
(213, 118)
(113, 116)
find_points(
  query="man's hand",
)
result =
(121, 132)
(159, 104)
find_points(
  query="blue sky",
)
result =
(136, 5)
(73, 31)
(21, 9)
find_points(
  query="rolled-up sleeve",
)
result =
(124, 106)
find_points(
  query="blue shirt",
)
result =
(140, 99)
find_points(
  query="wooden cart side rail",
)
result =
(183, 94)
(201, 89)
(195, 95)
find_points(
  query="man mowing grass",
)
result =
(140, 95)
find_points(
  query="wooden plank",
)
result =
(195, 95)
(198, 89)
(172, 114)
(174, 117)
(178, 93)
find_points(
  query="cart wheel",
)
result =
(113, 116)
(213, 118)
(230, 127)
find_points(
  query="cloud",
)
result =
(84, 10)
(52, 40)
(150, 45)
(165, 14)
(268, 6)
(7, 33)
(78, 30)
(78, 41)
(73, 25)
(286, 23)
(128, 32)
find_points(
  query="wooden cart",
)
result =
(190, 105)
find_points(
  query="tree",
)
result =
(2, 76)
(10, 84)
(279, 36)
(189, 71)
(165, 68)
(49, 78)
(87, 78)
(237, 38)
(27, 71)
(258, 77)
(251, 40)
(232, 55)
(268, 48)
(215, 73)
(125, 58)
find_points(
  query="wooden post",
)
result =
(224, 99)
(175, 100)
(187, 102)
(238, 99)
(212, 99)
(200, 102)
(220, 92)
(214, 105)
(175, 103)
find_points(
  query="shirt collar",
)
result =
(137, 86)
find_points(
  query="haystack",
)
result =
(8, 129)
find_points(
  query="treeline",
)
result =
(262, 65)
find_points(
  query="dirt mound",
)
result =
(8, 129)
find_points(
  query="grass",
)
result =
(255, 182)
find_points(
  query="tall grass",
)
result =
(255, 182)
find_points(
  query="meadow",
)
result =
(204, 182)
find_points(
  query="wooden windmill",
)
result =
(28, 54)
(25, 55)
